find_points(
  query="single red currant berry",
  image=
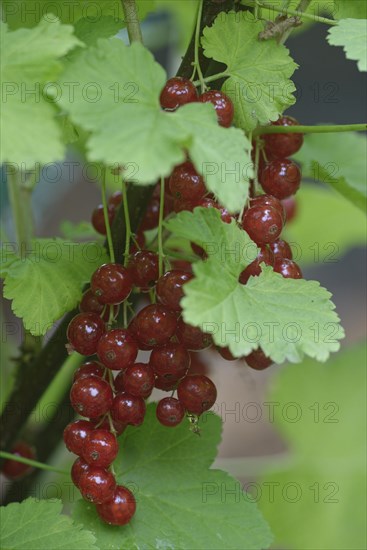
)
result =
(98, 218)
(287, 268)
(258, 360)
(115, 199)
(120, 509)
(12, 469)
(77, 469)
(170, 412)
(290, 207)
(128, 409)
(281, 249)
(169, 288)
(226, 354)
(281, 178)
(186, 184)
(155, 325)
(171, 361)
(283, 145)
(111, 283)
(177, 91)
(100, 448)
(91, 367)
(117, 349)
(192, 338)
(254, 268)
(197, 393)
(91, 396)
(222, 104)
(269, 200)
(166, 384)
(75, 435)
(263, 224)
(181, 205)
(97, 485)
(138, 380)
(182, 265)
(90, 304)
(210, 203)
(84, 332)
(144, 269)
(151, 217)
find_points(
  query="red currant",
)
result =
(263, 224)
(171, 361)
(75, 435)
(269, 200)
(281, 178)
(77, 469)
(287, 268)
(283, 145)
(226, 354)
(84, 332)
(290, 207)
(128, 409)
(138, 380)
(211, 203)
(119, 509)
(117, 349)
(197, 393)
(100, 448)
(91, 396)
(111, 283)
(91, 367)
(169, 288)
(155, 325)
(170, 412)
(97, 485)
(12, 469)
(258, 360)
(165, 384)
(254, 268)
(186, 184)
(222, 104)
(115, 199)
(281, 249)
(177, 91)
(144, 269)
(192, 338)
(98, 218)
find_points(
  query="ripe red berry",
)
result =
(137, 379)
(97, 485)
(144, 269)
(206, 202)
(269, 200)
(287, 268)
(170, 412)
(91, 367)
(120, 509)
(186, 184)
(199, 251)
(258, 360)
(169, 288)
(117, 349)
(115, 199)
(75, 435)
(90, 304)
(128, 409)
(263, 224)
(254, 268)
(91, 396)
(222, 104)
(165, 384)
(84, 332)
(177, 91)
(12, 469)
(280, 178)
(197, 393)
(290, 207)
(171, 361)
(283, 145)
(111, 283)
(192, 338)
(100, 448)
(226, 354)
(77, 469)
(98, 218)
(155, 325)
(281, 249)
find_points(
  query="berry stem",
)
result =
(106, 220)
(197, 67)
(127, 223)
(20, 208)
(289, 11)
(310, 129)
(132, 21)
(34, 463)
(212, 78)
(160, 229)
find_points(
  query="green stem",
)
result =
(160, 228)
(22, 232)
(288, 11)
(211, 78)
(302, 7)
(34, 463)
(197, 45)
(106, 219)
(127, 223)
(310, 129)
(132, 21)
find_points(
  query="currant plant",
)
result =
(200, 176)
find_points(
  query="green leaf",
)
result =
(48, 282)
(39, 525)
(77, 231)
(338, 160)
(318, 502)
(129, 127)
(88, 31)
(356, 9)
(181, 504)
(259, 71)
(287, 318)
(29, 62)
(327, 240)
(352, 35)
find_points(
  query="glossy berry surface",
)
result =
(117, 349)
(111, 283)
(177, 91)
(186, 184)
(291, 208)
(119, 509)
(138, 380)
(269, 200)
(84, 332)
(90, 304)
(12, 469)
(128, 409)
(222, 104)
(283, 145)
(91, 367)
(155, 325)
(254, 268)
(171, 361)
(78, 468)
(144, 269)
(166, 384)
(75, 435)
(287, 268)
(169, 288)
(91, 396)
(98, 218)
(197, 393)
(280, 178)
(281, 249)
(97, 485)
(100, 448)
(258, 360)
(192, 338)
(115, 199)
(263, 224)
(170, 412)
